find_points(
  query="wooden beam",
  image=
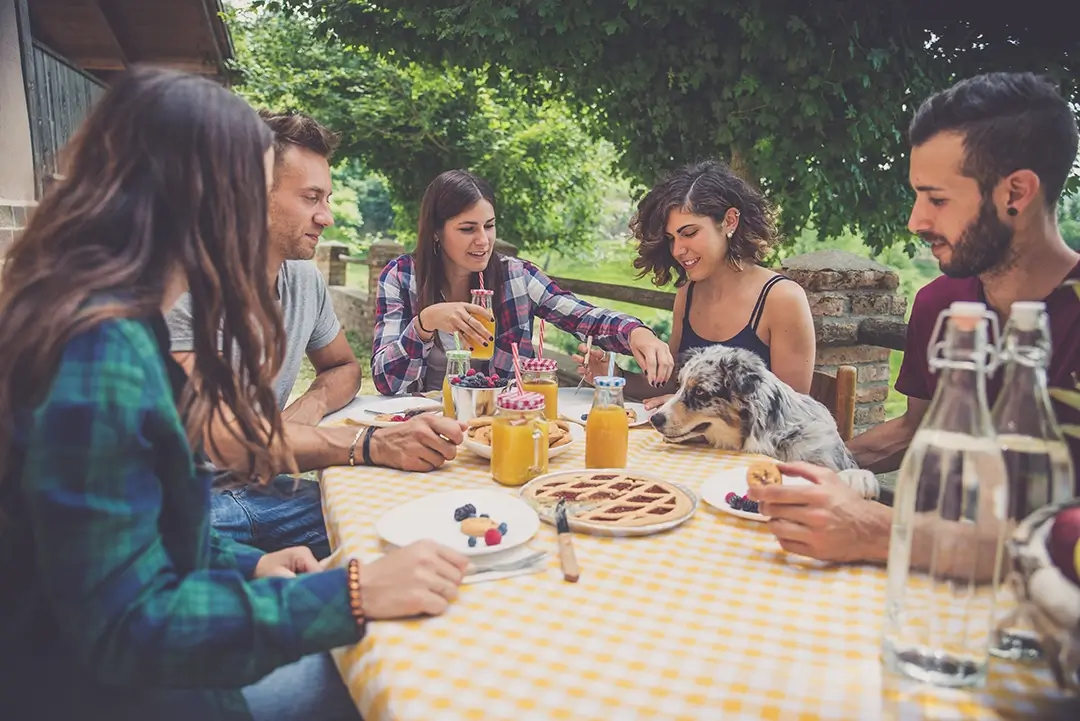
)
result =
(111, 17)
(626, 294)
(891, 334)
(114, 64)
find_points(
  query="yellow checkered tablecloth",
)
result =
(709, 621)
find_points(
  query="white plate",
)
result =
(733, 480)
(392, 405)
(432, 517)
(579, 412)
(577, 435)
(547, 511)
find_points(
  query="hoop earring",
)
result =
(435, 248)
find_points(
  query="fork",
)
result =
(588, 352)
(525, 562)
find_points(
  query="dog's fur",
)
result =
(730, 400)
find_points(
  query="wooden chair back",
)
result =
(837, 393)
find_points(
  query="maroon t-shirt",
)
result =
(916, 381)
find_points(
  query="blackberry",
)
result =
(466, 511)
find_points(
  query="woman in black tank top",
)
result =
(710, 230)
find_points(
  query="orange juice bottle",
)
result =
(607, 430)
(457, 364)
(483, 298)
(541, 376)
(519, 439)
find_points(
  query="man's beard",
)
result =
(986, 244)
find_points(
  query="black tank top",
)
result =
(746, 338)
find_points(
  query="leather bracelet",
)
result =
(420, 323)
(356, 601)
(355, 440)
(367, 446)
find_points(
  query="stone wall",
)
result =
(844, 290)
(13, 215)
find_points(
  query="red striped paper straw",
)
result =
(517, 366)
(540, 348)
(481, 275)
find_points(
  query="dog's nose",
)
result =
(658, 420)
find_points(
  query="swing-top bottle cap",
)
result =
(967, 309)
(1025, 314)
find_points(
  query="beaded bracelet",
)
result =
(356, 602)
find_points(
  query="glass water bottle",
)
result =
(949, 518)
(1037, 462)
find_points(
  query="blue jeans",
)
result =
(308, 689)
(286, 512)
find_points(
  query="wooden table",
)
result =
(709, 621)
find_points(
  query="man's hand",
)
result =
(287, 563)
(422, 443)
(827, 520)
(420, 578)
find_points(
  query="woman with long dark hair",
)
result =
(118, 600)
(709, 229)
(424, 298)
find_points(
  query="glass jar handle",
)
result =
(537, 437)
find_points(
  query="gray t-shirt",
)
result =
(310, 321)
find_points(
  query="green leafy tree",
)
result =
(408, 122)
(1069, 220)
(811, 99)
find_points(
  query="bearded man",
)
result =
(989, 160)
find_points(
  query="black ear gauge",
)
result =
(1012, 211)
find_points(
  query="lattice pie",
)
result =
(610, 499)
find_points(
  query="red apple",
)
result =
(1062, 542)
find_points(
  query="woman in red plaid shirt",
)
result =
(424, 297)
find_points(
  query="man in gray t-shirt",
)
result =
(289, 512)
(310, 322)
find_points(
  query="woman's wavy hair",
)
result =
(449, 195)
(164, 180)
(708, 188)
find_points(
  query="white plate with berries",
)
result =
(397, 409)
(726, 491)
(472, 522)
(578, 412)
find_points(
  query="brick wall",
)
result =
(843, 291)
(12, 219)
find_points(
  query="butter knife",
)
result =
(567, 558)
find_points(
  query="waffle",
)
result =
(558, 432)
(613, 499)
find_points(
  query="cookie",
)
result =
(477, 526)
(631, 415)
(763, 474)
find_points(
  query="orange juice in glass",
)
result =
(457, 364)
(607, 430)
(483, 299)
(519, 439)
(541, 376)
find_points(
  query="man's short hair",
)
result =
(293, 128)
(1010, 122)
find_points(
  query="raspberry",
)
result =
(470, 372)
(455, 380)
(495, 378)
(728, 497)
(493, 537)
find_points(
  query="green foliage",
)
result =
(811, 99)
(409, 122)
(1069, 220)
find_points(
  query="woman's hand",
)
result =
(461, 318)
(421, 578)
(287, 563)
(653, 355)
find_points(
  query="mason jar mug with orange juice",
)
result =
(483, 299)
(607, 429)
(457, 364)
(519, 439)
(540, 375)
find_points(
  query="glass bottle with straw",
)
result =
(540, 375)
(457, 364)
(483, 298)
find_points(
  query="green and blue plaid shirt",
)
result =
(115, 590)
